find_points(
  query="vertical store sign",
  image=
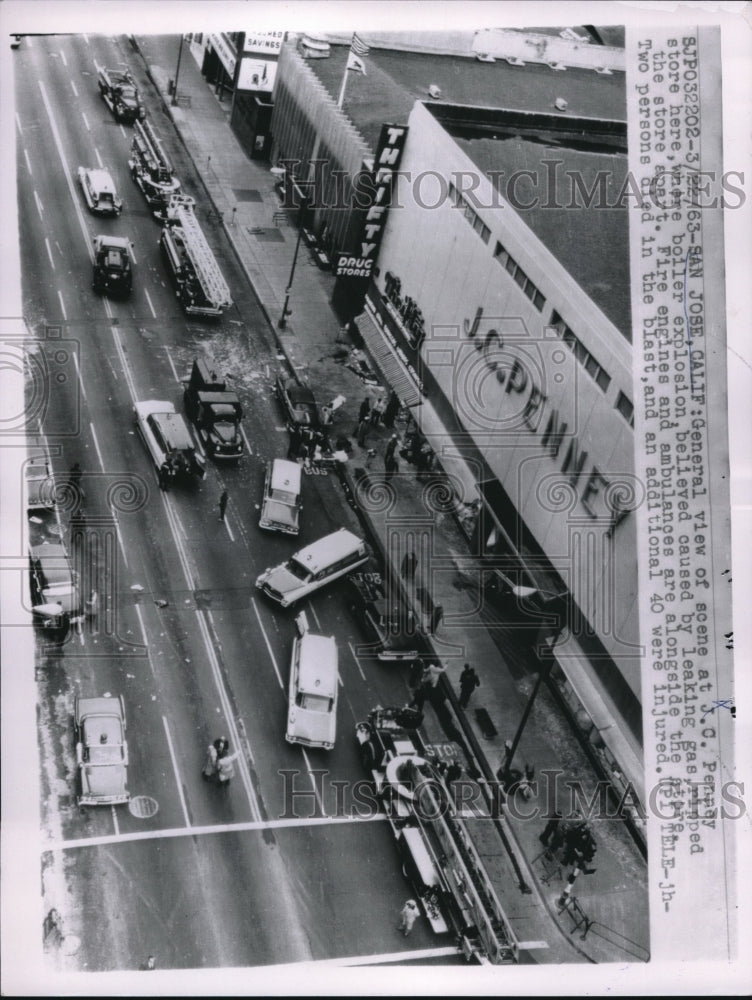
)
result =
(386, 163)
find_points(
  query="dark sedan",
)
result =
(298, 402)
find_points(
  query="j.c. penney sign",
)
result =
(386, 163)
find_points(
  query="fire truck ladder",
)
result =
(199, 252)
(148, 146)
(466, 877)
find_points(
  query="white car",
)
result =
(312, 709)
(313, 567)
(281, 507)
(99, 191)
(168, 440)
(101, 751)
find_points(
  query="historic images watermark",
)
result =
(548, 797)
(548, 187)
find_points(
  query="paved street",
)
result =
(200, 876)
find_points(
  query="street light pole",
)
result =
(177, 74)
(285, 311)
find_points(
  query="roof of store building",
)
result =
(474, 94)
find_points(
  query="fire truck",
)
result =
(120, 94)
(151, 169)
(198, 281)
(412, 779)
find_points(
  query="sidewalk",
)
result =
(243, 191)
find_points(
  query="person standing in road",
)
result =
(164, 476)
(391, 410)
(391, 448)
(409, 565)
(226, 768)
(294, 447)
(210, 764)
(365, 407)
(415, 678)
(223, 504)
(377, 412)
(469, 681)
(437, 616)
(362, 431)
(392, 466)
(222, 746)
(433, 673)
(148, 965)
(408, 916)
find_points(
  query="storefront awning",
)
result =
(386, 361)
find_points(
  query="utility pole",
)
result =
(177, 74)
(301, 219)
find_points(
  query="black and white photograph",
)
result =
(375, 492)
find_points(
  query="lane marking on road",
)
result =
(62, 56)
(99, 158)
(205, 831)
(235, 734)
(115, 823)
(133, 255)
(39, 205)
(86, 121)
(80, 376)
(148, 299)
(75, 89)
(390, 956)
(172, 364)
(312, 609)
(357, 661)
(62, 304)
(182, 555)
(140, 616)
(119, 536)
(49, 254)
(28, 162)
(229, 529)
(124, 363)
(18, 123)
(178, 780)
(313, 782)
(96, 445)
(125, 134)
(247, 442)
(268, 644)
(59, 146)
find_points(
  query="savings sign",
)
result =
(386, 163)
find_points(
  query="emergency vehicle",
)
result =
(120, 94)
(151, 168)
(412, 780)
(199, 283)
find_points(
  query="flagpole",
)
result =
(341, 97)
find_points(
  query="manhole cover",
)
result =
(247, 194)
(267, 235)
(143, 807)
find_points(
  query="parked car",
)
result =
(390, 625)
(215, 412)
(40, 486)
(313, 567)
(113, 273)
(101, 751)
(99, 191)
(280, 510)
(53, 580)
(168, 440)
(298, 402)
(312, 696)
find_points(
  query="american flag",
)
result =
(357, 46)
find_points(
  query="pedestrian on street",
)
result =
(294, 447)
(419, 696)
(222, 746)
(391, 448)
(148, 965)
(469, 681)
(364, 410)
(362, 431)
(164, 476)
(226, 769)
(409, 565)
(552, 836)
(210, 764)
(408, 916)
(415, 678)
(437, 616)
(433, 673)
(392, 466)
(224, 497)
(391, 410)
(377, 412)
(326, 415)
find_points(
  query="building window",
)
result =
(625, 407)
(470, 214)
(528, 287)
(595, 370)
